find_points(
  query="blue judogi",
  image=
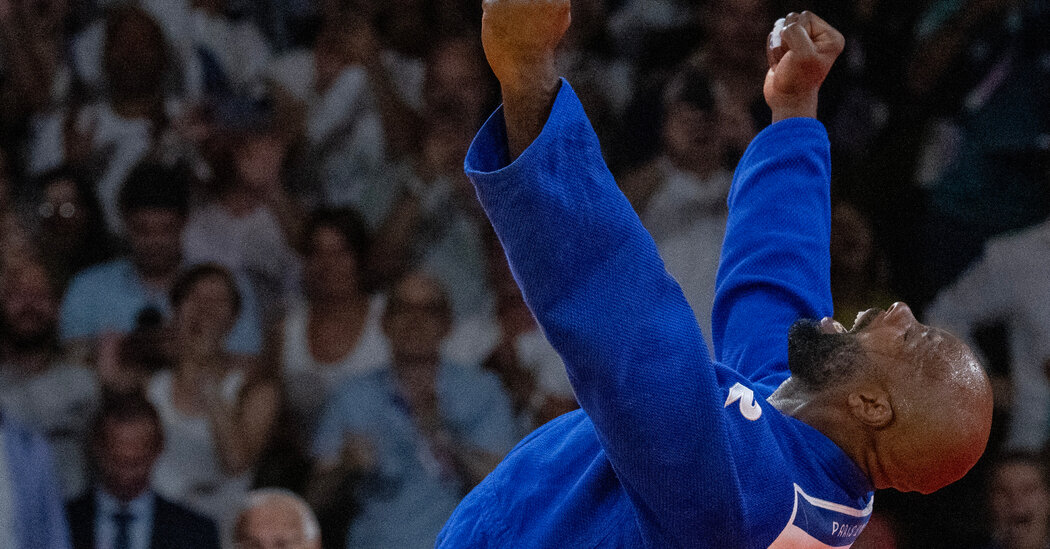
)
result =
(670, 449)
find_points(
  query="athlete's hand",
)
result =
(800, 57)
(520, 39)
(521, 36)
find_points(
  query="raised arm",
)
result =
(775, 265)
(591, 275)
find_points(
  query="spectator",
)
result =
(681, 194)
(249, 220)
(67, 224)
(858, 273)
(38, 387)
(31, 513)
(122, 510)
(531, 371)
(109, 297)
(36, 71)
(437, 224)
(456, 78)
(351, 104)
(272, 518)
(980, 72)
(336, 334)
(732, 57)
(223, 58)
(109, 137)
(1019, 502)
(1009, 285)
(217, 413)
(217, 59)
(418, 435)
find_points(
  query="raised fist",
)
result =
(520, 36)
(801, 50)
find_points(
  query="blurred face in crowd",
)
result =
(276, 523)
(135, 55)
(689, 134)
(417, 318)
(851, 240)
(126, 452)
(29, 307)
(61, 210)
(416, 321)
(155, 237)
(1020, 505)
(208, 310)
(332, 269)
(737, 30)
(456, 75)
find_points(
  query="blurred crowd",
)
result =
(240, 264)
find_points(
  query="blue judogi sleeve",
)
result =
(775, 265)
(634, 352)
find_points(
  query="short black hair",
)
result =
(154, 185)
(124, 408)
(347, 222)
(190, 277)
(692, 87)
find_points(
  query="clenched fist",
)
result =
(520, 37)
(802, 48)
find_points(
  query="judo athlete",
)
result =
(781, 440)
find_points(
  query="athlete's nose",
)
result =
(899, 312)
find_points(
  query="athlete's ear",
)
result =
(872, 407)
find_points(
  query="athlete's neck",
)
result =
(818, 410)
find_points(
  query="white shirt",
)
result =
(307, 381)
(188, 471)
(687, 218)
(1010, 283)
(252, 244)
(59, 403)
(140, 527)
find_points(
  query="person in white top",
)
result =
(216, 412)
(336, 332)
(1010, 285)
(353, 104)
(39, 387)
(127, 124)
(204, 40)
(681, 194)
(250, 221)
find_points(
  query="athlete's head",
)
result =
(917, 403)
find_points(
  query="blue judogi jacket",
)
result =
(670, 449)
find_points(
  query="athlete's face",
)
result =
(938, 398)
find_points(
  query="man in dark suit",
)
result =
(121, 511)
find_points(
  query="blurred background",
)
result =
(243, 227)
